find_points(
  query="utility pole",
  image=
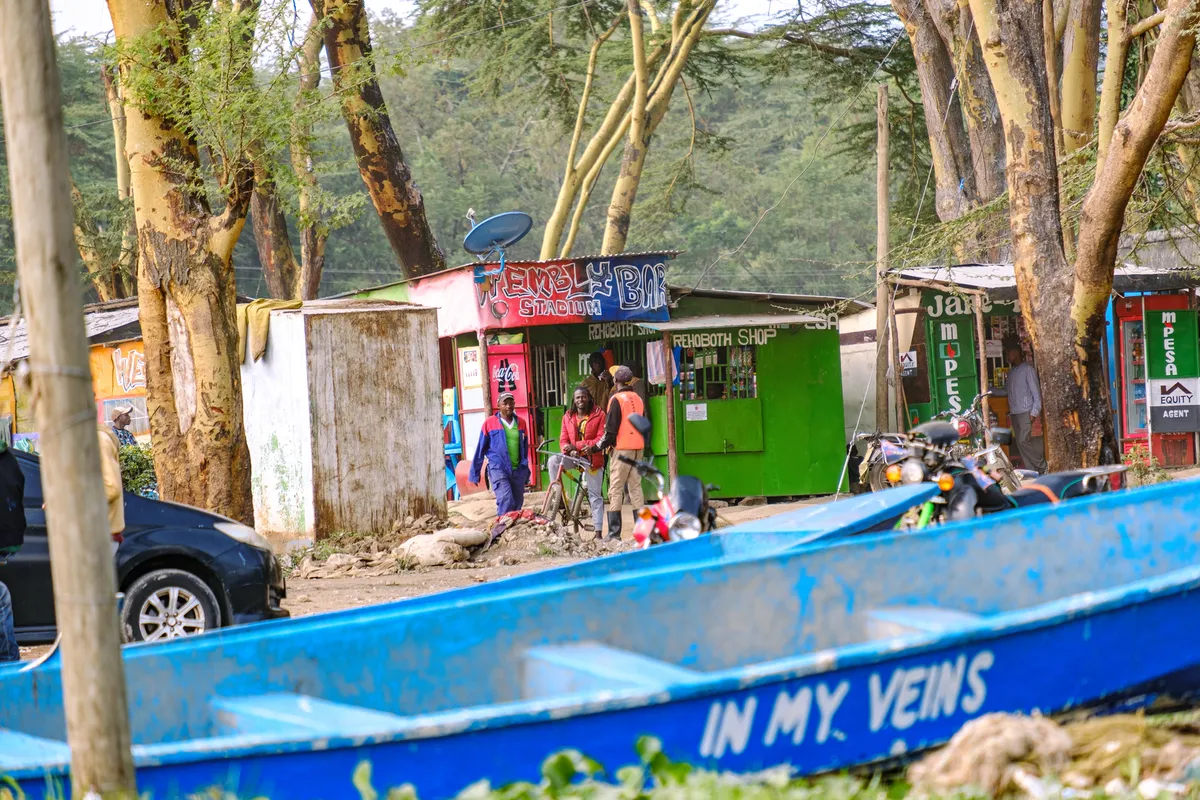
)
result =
(882, 297)
(93, 677)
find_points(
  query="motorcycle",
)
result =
(968, 489)
(972, 442)
(883, 450)
(682, 512)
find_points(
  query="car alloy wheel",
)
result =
(169, 604)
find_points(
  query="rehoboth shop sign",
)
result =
(1173, 371)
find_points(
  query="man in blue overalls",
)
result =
(504, 442)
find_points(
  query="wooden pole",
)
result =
(985, 406)
(882, 238)
(896, 381)
(486, 372)
(93, 679)
(669, 361)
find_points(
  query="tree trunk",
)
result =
(313, 230)
(271, 237)
(104, 277)
(1015, 55)
(1114, 77)
(125, 277)
(957, 29)
(1081, 54)
(1104, 207)
(954, 175)
(389, 182)
(684, 35)
(186, 292)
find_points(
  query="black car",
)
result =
(183, 570)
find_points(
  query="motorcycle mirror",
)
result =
(1002, 435)
(640, 424)
(997, 391)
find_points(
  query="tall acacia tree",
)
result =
(386, 174)
(605, 70)
(186, 295)
(1064, 304)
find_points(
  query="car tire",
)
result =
(167, 604)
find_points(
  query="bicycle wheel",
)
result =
(553, 502)
(576, 505)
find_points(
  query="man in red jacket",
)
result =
(582, 429)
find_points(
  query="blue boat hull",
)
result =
(865, 713)
(822, 657)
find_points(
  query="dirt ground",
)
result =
(314, 596)
(319, 595)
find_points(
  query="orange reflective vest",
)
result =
(627, 436)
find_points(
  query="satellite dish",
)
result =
(493, 235)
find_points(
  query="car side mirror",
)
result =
(1002, 435)
(640, 424)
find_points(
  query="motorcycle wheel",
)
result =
(876, 478)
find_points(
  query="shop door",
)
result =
(508, 371)
(953, 363)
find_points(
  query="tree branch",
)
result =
(1150, 22)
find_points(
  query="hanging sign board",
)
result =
(908, 364)
(1173, 369)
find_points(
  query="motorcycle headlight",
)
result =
(684, 526)
(244, 534)
(912, 471)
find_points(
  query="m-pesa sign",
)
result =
(1173, 369)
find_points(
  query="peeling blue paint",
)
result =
(821, 655)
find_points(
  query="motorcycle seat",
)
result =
(940, 434)
(1063, 485)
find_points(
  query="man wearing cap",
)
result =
(122, 416)
(620, 435)
(504, 442)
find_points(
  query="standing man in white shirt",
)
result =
(1024, 406)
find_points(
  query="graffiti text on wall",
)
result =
(129, 366)
(571, 291)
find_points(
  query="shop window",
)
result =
(549, 365)
(718, 373)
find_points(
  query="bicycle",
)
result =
(554, 505)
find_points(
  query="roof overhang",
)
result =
(715, 321)
(1000, 282)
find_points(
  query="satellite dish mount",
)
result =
(489, 239)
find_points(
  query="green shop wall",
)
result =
(800, 451)
(799, 374)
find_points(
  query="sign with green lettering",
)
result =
(954, 362)
(1173, 369)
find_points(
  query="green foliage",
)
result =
(1144, 468)
(483, 134)
(137, 468)
(570, 775)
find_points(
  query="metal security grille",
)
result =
(549, 364)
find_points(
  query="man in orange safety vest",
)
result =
(623, 438)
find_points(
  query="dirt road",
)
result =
(331, 594)
(317, 596)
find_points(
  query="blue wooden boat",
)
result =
(807, 526)
(821, 657)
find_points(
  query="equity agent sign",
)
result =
(1173, 370)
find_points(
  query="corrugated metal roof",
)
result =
(1000, 282)
(95, 323)
(782, 297)
(730, 321)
